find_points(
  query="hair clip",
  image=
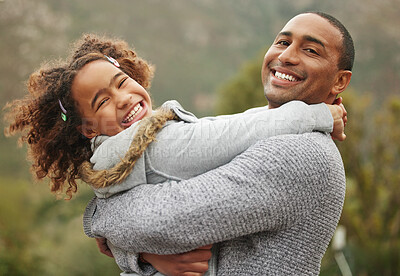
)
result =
(112, 60)
(64, 111)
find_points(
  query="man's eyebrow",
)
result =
(285, 34)
(103, 90)
(305, 37)
(313, 39)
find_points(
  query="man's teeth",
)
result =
(135, 111)
(285, 77)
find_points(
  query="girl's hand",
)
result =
(193, 263)
(339, 102)
(339, 115)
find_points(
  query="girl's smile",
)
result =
(135, 114)
(109, 100)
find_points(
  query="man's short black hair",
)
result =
(346, 59)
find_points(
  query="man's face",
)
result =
(302, 62)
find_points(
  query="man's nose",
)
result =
(289, 56)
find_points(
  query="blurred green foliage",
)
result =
(43, 236)
(244, 91)
(371, 156)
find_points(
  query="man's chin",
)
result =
(274, 103)
(277, 99)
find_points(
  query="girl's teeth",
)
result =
(136, 110)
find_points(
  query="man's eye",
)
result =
(312, 51)
(122, 82)
(283, 42)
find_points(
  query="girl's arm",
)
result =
(184, 150)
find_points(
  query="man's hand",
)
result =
(339, 115)
(193, 263)
(103, 247)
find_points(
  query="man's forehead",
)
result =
(312, 25)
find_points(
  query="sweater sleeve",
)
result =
(269, 187)
(199, 147)
(129, 262)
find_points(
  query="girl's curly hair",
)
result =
(55, 147)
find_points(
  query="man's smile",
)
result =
(287, 77)
(281, 76)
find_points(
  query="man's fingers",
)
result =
(205, 247)
(197, 255)
(200, 267)
(103, 247)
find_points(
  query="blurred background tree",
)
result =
(208, 55)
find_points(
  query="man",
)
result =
(274, 208)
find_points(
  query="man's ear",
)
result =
(343, 78)
(87, 131)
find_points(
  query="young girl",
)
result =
(95, 107)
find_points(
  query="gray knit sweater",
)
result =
(273, 209)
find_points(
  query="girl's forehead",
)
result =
(93, 77)
(95, 74)
(93, 69)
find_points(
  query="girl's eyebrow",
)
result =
(103, 90)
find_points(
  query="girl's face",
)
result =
(108, 100)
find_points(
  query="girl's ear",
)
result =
(87, 131)
(342, 81)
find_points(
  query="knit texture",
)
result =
(273, 209)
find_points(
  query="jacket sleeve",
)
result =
(196, 148)
(267, 188)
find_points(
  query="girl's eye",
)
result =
(122, 82)
(102, 102)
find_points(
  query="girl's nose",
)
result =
(123, 100)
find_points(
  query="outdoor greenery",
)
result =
(208, 55)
